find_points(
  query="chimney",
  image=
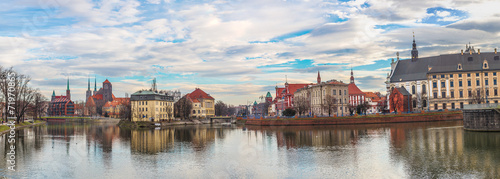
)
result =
(478, 51)
(462, 52)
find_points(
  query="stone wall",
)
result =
(482, 119)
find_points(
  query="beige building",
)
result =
(151, 106)
(317, 95)
(203, 104)
(448, 81)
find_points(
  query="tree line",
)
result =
(18, 98)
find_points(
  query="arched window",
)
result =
(413, 89)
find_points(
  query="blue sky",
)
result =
(234, 50)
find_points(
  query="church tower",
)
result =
(95, 85)
(414, 51)
(352, 77)
(89, 92)
(319, 78)
(108, 91)
(68, 93)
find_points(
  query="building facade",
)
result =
(447, 81)
(400, 100)
(319, 94)
(61, 105)
(203, 104)
(356, 96)
(151, 106)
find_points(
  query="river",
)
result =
(405, 150)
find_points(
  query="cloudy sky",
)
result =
(234, 50)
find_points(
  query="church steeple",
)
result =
(352, 77)
(67, 84)
(68, 93)
(319, 78)
(95, 84)
(414, 51)
(88, 89)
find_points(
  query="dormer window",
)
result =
(459, 67)
(485, 65)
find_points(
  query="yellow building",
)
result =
(448, 81)
(203, 104)
(151, 106)
(318, 96)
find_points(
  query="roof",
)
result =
(354, 90)
(97, 96)
(144, 92)
(292, 88)
(60, 99)
(406, 70)
(199, 94)
(336, 82)
(374, 97)
(268, 95)
(403, 91)
(112, 103)
(106, 81)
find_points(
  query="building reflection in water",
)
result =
(438, 150)
(197, 138)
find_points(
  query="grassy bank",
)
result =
(4, 128)
(369, 116)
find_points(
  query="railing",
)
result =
(481, 106)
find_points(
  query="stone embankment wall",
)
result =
(426, 117)
(482, 119)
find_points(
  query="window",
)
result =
(461, 94)
(477, 82)
(443, 94)
(146, 109)
(460, 75)
(460, 83)
(485, 65)
(443, 84)
(435, 106)
(451, 83)
(470, 93)
(494, 73)
(444, 105)
(423, 89)
(442, 76)
(334, 92)
(435, 94)
(345, 92)
(424, 103)
(494, 81)
(434, 84)
(461, 105)
(459, 66)
(468, 83)
(414, 103)
(413, 89)
(451, 75)
(452, 105)
(477, 74)
(468, 74)
(485, 74)
(486, 82)
(495, 92)
(340, 92)
(433, 76)
(194, 111)
(452, 94)
(487, 92)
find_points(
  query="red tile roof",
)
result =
(198, 94)
(354, 90)
(112, 104)
(98, 96)
(292, 88)
(106, 81)
(373, 96)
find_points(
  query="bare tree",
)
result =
(395, 103)
(220, 108)
(183, 107)
(40, 105)
(330, 104)
(301, 104)
(125, 111)
(23, 95)
(170, 112)
(4, 88)
(477, 97)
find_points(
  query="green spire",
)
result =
(67, 88)
(89, 85)
(268, 95)
(53, 93)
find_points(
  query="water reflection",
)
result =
(416, 150)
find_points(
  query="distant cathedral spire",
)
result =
(319, 78)
(95, 84)
(88, 84)
(414, 51)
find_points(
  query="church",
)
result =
(97, 99)
(61, 105)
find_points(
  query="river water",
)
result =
(406, 150)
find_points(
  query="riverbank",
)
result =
(147, 124)
(4, 128)
(372, 119)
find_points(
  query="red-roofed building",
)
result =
(284, 96)
(203, 104)
(115, 107)
(356, 96)
(96, 100)
(61, 105)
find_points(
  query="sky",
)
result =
(236, 50)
